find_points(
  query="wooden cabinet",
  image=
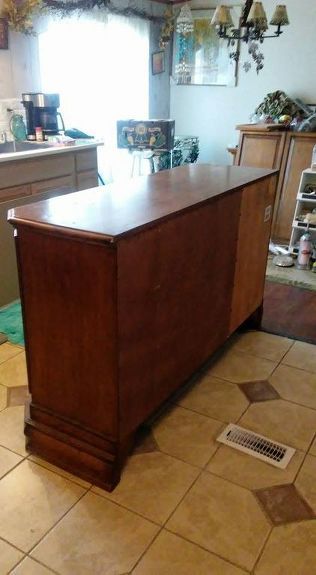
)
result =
(289, 152)
(43, 176)
(87, 180)
(132, 290)
(14, 192)
(63, 185)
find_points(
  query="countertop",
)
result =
(123, 208)
(51, 149)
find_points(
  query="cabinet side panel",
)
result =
(253, 243)
(69, 308)
(174, 287)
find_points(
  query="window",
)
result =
(100, 70)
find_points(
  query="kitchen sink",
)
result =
(9, 147)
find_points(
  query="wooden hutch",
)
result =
(263, 146)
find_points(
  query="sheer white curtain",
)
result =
(100, 69)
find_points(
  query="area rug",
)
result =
(290, 276)
(11, 322)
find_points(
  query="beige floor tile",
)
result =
(9, 556)
(7, 350)
(152, 484)
(3, 397)
(262, 344)
(251, 472)
(13, 371)
(312, 450)
(240, 367)
(295, 385)
(290, 550)
(171, 555)
(282, 421)
(224, 518)
(32, 499)
(8, 460)
(59, 471)
(30, 567)
(187, 435)
(306, 481)
(12, 429)
(215, 398)
(302, 355)
(96, 537)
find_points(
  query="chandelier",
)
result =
(253, 24)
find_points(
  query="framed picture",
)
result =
(3, 34)
(158, 62)
(202, 58)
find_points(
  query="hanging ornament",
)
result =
(167, 28)
(184, 24)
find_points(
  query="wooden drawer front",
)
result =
(15, 192)
(86, 160)
(87, 180)
(15, 173)
(62, 185)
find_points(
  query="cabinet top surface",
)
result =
(118, 209)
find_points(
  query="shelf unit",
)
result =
(304, 203)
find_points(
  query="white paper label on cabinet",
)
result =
(267, 213)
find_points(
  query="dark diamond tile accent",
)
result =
(145, 441)
(284, 504)
(256, 391)
(3, 338)
(17, 395)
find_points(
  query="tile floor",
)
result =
(186, 505)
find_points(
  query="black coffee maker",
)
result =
(41, 112)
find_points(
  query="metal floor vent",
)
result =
(259, 446)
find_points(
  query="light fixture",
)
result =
(184, 27)
(184, 23)
(253, 24)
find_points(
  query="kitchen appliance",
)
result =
(41, 112)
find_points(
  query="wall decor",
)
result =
(200, 57)
(158, 62)
(4, 44)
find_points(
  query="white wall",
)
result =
(212, 112)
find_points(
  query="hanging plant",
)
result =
(19, 14)
(167, 28)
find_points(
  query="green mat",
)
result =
(11, 322)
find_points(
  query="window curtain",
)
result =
(99, 65)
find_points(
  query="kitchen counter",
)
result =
(132, 287)
(48, 150)
(35, 174)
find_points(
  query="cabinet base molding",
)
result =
(70, 447)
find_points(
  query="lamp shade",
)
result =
(222, 17)
(257, 16)
(280, 17)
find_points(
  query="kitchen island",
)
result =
(29, 172)
(126, 292)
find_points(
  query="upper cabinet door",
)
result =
(260, 150)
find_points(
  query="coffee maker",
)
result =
(41, 112)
